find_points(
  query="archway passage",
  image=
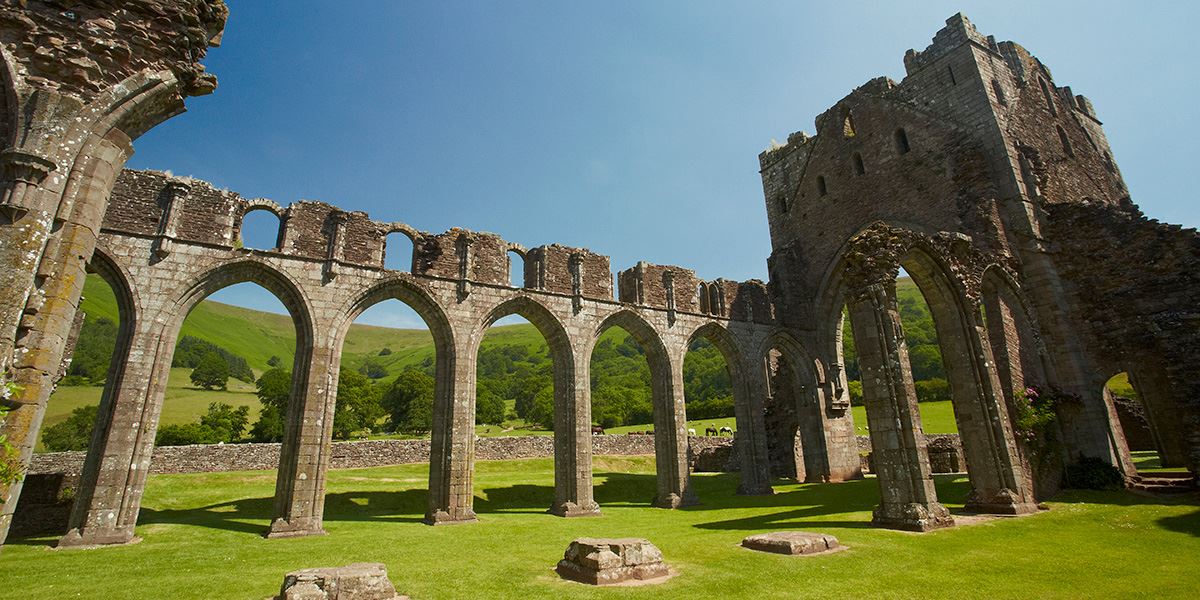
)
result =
(621, 404)
(673, 485)
(117, 465)
(540, 378)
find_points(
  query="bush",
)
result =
(855, 390)
(489, 408)
(273, 389)
(357, 407)
(386, 351)
(933, 390)
(73, 434)
(222, 423)
(1091, 473)
(185, 435)
(211, 372)
(373, 369)
(409, 402)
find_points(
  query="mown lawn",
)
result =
(202, 540)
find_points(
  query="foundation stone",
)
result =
(359, 581)
(611, 561)
(792, 542)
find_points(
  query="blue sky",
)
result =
(631, 128)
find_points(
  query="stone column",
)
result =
(907, 496)
(998, 480)
(670, 437)
(452, 447)
(749, 390)
(114, 473)
(307, 436)
(573, 438)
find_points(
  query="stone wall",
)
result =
(945, 453)
(360, 454)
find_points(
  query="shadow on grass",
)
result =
(1189, 523)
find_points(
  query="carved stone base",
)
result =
(359, 581)
(286, 529)
(442, 517)
(1004, 502)
(600, 561)
(570, 509)
(92, 537)
(675, 501)
(912, 517)
(792, 542)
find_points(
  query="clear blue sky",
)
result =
(631, 128)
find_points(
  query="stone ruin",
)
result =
(613, 561)
(793, 543)
(359, 581)
(991, 185)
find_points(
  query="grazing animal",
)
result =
(691, 432)
(725, 430)
(711, 431)
(597, 430)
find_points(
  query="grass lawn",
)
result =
(1148, 461)
(936, 417)
(202, 539)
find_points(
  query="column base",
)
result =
(441, 517)
(90, 538)
(570, 509)
(285, 529)
(912, 517)
(1004, 502)
(675, 501)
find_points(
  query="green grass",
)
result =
(1148, 461)
(936, 417)
(202, 539)
(1120, 386)
(182, 402)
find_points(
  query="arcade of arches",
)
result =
(999, 197)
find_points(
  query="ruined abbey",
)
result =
(989, 183)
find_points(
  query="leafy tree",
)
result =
(373, 369)
(225, 421)
(409, 402)
(386, 351)
(489, 408)
(933, 390)
(541, 410)
(212, 372)
(191, 350)
(273, 389)
(185, 434)
(75, 433)
(273, 361)
(357, 407)
(856, 392)
(93, 352)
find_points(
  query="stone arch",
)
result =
(800, 378)
(1012, 332)
(572, 413)
(670, 420)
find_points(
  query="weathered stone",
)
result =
(604, 561)
(358, 581)
(791, 542)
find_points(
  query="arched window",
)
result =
(716, 300)
(901, 141)
(516, 269)
(859, 168)
(1049, 97)
(398, 252)
(702, 294)
(261, 229)
(848, 125)
(1066, 143)
(821, 189)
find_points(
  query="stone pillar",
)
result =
(307, 436)
(53, 294)
(907, 496)
(114, 473)
(573, 438)
(670, 437)
(452, 447)
(750, 388)
(998, 480)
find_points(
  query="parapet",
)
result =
(567, 270)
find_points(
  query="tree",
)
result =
(212, 372)
(409, 402)
(489, 408)
(541, 410)
(273, 361)
(75, 433)
(386, 351)
(273, 389)
(373, 369)
(357, 405)
(225, 421)
(185, 434)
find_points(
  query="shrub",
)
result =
(184, 435)
(386, 351)
(75, 433)
(489, 408)
(1091, 473)
(409, 402)
(373, 369)
(856, 394)
(933, 390)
